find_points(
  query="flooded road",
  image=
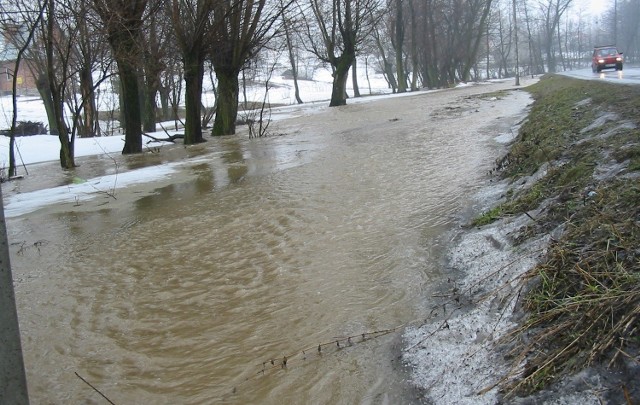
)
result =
(182, 291)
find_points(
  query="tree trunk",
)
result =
(123, 32)
(152, 85)
(551, 58)
(149, 106)
(340, 75)
(391, 76)
(414, 49)
(354, 78)
(292, 61)
(131, 103)
(193, 74)
(164, 102)
(42, 84)
(560, 48)
(89, 112)
(66, 144)
(89, 123)
(227, 107)
(398, 45)
(388, 67)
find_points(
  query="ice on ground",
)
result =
(453, 357)
(84, 190)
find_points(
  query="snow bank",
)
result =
(452, 356)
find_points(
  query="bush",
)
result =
(26, 128)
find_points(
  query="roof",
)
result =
(8, 52)
(8, 48)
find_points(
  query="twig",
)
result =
(338, 343)
(95, 389)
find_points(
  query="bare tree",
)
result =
(191, 20)
(398, 39)
(384, 60)
(335, 35)
(474, 22)
(122, 21)
(629, 29)
(449, 35)
(25, 14)
(240, 29)
(157, 39)
(414, 54)
(551, 12)
(14, 82)
(503, 35)
(289, 23)
(89, 52)
(58, 50)
(72, 73)
(536, 63)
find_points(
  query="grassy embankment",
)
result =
(583, 304)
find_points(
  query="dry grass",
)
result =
(583, 304)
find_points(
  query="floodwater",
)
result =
(183, 292)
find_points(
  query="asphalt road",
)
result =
(630, 75)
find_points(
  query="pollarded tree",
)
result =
(336, 33)
(240, 29)
(191, 20)
(122, 20)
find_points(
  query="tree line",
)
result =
(156, 53)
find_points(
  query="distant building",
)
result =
(26, 83)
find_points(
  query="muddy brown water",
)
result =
(181, 291)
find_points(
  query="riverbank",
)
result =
(552, 248)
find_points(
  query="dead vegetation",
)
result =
(582, 146)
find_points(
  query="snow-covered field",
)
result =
(314, 93)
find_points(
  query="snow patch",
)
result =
(453, 357)
(85, 190)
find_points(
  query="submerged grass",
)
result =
(583, 307)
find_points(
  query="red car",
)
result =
(606, 57)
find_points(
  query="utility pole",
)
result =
(515, 31)
(615, 22)
(13, 382)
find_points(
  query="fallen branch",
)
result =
(95, 389)
(169, 138)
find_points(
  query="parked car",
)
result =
(606, 57)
